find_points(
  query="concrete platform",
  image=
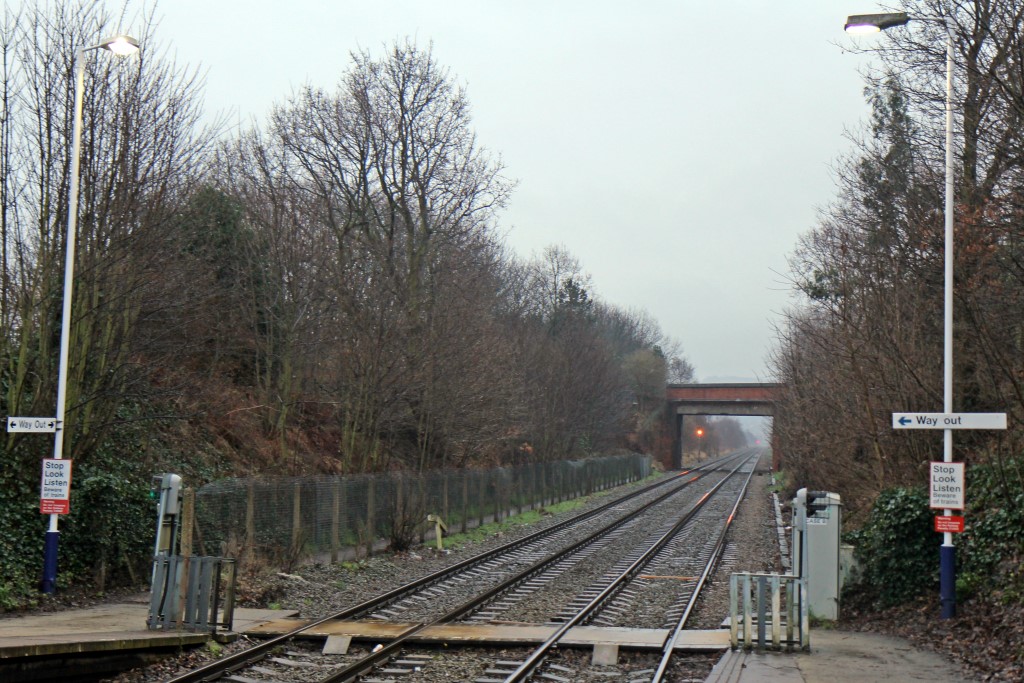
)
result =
(503, 634)
(839, 657)
(104, 628)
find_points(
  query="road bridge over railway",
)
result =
(744, 400)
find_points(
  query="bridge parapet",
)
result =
(760, 392)
(751, 399)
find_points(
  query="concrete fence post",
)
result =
(336, 519)
(296, 518)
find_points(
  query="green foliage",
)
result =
(994, 532)
(110, 529)
(21, 541)
(897, 548)
(107, 537)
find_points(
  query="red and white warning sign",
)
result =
(55, 493)
(952, 524)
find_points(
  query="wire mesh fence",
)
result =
(289, 520)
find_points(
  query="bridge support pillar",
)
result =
(677, 442)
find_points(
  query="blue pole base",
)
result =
(947, 580)
(49, 583)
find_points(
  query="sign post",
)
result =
(946, 478)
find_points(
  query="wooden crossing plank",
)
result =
(581, 636)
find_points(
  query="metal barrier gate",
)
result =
(187, 593)
(756, 601)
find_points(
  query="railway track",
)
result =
(665, 547)
(620, 549)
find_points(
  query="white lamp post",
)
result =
(872, 23)
(119, 45)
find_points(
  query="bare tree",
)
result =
(141, 148)
(868, 339)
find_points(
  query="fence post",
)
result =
(520, 489)
(418, 505)
(465, 499)
(506, 494)
(371, 522)
(296, 518)
(188, 523)
(250, 522)
(481, 497)
(497, 496)
(335, 519)
(534, 490)
(444, 495)
(398, 499)
(540, 489)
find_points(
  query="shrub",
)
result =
(897, 548)
(993, 538)
(109, 534)
(22, 531)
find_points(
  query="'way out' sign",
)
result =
(949, 420)
(32, 424)
(946, 486)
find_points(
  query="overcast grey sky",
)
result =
(677, 148)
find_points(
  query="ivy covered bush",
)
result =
(897, 549)
(21, 541)
(993, 540)
(105, 540)
(108, 538)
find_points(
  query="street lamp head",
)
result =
(873, 23)
(120, 45)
